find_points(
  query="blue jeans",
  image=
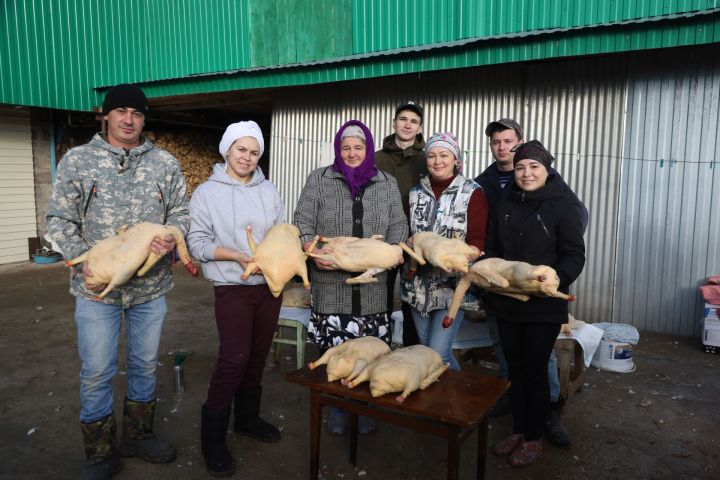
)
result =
(432, 334)
(98, 327)
(553, 376)
(499, 354)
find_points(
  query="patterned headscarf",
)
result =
(353, 131)
(356, 177)
(446, 140)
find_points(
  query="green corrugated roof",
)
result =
(54, 53)
(659, 32)
(425, 22)
(57, 54)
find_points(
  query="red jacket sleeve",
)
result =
(477, 218)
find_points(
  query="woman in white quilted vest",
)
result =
(451, 205)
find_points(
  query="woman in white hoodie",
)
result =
(236, 195)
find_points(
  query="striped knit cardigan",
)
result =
(326, 208)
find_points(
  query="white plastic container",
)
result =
(614, 357)
(397, 334)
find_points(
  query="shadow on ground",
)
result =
(659, 422)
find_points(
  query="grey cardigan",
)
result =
(326, 208)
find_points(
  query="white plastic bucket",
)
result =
(614, 357)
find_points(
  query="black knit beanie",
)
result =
(125, 95)
(533, 150)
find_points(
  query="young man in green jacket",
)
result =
(403, 157)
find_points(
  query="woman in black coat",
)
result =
(538, 225)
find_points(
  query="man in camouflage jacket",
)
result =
(118, 178)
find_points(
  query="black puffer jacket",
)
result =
(541, 228)
(489, 180)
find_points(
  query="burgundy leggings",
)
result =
(246, 317)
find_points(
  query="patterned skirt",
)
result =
(327, 331)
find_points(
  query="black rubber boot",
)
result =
(138, 438)
(213, 429)
(555, 432)
(247, 416)
(100, 449)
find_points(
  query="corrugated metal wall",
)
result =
(285, 32)
(669, 225)
(702, 29)
(55, 53)
(636, 136)
(574, 107)
(305, 120)
(375, 22)
(186, 37)
(17, 186)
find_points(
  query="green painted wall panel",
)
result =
(429, 21)
(296, 31)
(187, 37)
(55, 53)
(287, 19)
(263, 36)
(483, 54)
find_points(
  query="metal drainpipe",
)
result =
(53, 160)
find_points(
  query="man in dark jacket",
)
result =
(505, 135)
(402, 156)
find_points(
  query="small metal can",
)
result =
(178, 378)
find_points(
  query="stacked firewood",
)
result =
(196, 152)
(70, 139)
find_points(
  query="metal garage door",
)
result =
(17, 191)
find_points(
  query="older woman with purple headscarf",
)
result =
(349, 198)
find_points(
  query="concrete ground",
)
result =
(659, 422)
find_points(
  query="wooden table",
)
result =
(571, 366)
(452, 408)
